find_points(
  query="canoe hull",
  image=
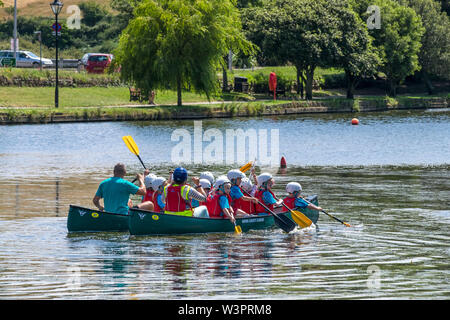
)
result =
(150, 223)
(140, 222)
(88, 220)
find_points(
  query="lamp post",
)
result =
(56, 8)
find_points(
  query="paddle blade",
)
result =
(284, 222)
(237, 229)
(129, 141)
(245, 167)
(300, 219)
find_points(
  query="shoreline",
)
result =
(40, 115)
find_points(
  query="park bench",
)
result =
(281, 91)
(138, 95)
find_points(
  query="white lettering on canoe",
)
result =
(251, 220)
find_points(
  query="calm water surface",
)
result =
(388, 177)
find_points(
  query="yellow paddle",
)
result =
(299, 218)
(237, 229)
(245, 167)
(133, 147)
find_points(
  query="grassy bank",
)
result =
(218, 110)
(38, 97)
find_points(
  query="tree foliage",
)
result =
(434, 56)
(311, 34)
(398, 42)
(92, 12)
(174, 43)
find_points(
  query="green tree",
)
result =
(397, 42)
(248, 3)
(92, 12)
(356, 53)
(125, 9)
(445, 6)
(179, 42)
(310, 34)
(434, 56)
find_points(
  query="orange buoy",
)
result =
(283, 162)
(355, 121)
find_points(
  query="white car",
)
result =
(26, 59)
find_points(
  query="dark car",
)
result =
(97, 63)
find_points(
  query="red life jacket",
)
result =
(213, 205)
(289, 202)
(156, 206)
(174, 201)
(148, 195)
(246, 206)
(259, 195)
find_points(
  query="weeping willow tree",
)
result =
(176, 43)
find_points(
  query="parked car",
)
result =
(26, 59)
(85, 59)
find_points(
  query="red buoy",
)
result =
(283, 162)
(355, 121)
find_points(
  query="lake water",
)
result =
(388, 177)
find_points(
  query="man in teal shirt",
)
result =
(116, 191)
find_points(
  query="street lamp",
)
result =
(56, 8)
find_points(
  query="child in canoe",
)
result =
(218, 201)
(241, 203)
(265, 195)
(250, 188)
(206, 185)
(148, 185)
(208, 176)
(294, 199)
(158, 185)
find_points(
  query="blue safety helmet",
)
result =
(180, 175)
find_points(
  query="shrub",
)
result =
(260, 82)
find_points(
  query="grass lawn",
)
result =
(94, 97)
(289, 72)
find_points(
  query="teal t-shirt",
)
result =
(115, 193)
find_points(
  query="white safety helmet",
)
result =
(292, 187)
(246, 184)
(221, 181)
(148, 180)
(205, 183)
(208, 176)
(263, 178)
(235, 174)
(158, 182)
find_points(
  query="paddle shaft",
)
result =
(332, 217)
(292, 224)
(262, 204)
(141, 162)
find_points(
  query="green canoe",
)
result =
(86, 220)
(150, 223)
(140, 222)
